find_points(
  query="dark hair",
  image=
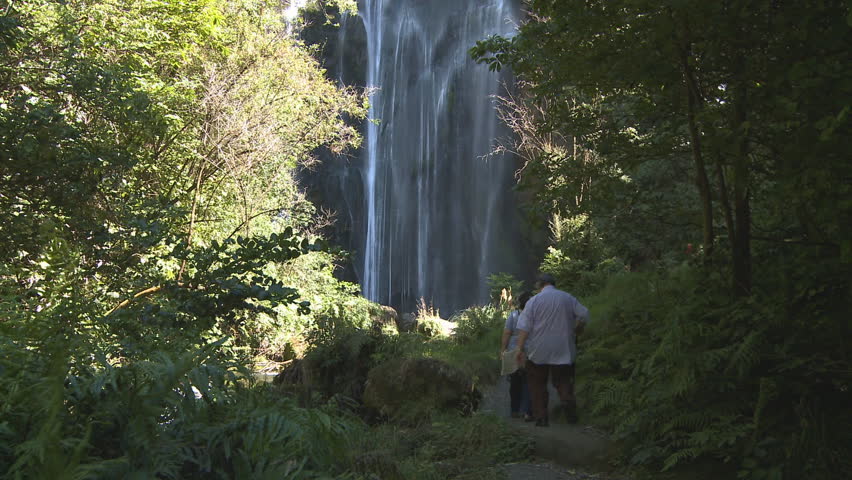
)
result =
(522, 300)
(547, 278)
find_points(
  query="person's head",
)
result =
(545, 279)
(522, 300)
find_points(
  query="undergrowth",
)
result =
(449, 446)
(174, 416)
(682, 374)
(472, 347)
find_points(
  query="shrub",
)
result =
(449, 446)
(174, 416)
(477, 322)
(580, 277)
(503, 288)
(682, 374)
(412, 389)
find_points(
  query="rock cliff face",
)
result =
(335, 183)
(427, 211)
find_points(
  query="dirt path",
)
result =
(545, 471)
(562, 451)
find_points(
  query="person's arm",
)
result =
(522, 339)
(504, 343)
(581, 314)
(524, 327)
(508, 328)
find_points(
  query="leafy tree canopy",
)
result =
(149, 217)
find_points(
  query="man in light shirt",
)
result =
(548, 339)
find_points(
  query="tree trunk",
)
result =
(192, 217)
(724, 199)
(741, 241)
(701, 180)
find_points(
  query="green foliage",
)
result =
(700, 142)
(448, 447)
(577, 276)
(344, 349)
(686, 125)
(475, 323)
(428, 321)
(414, 389)
(153, 232)
(503, 288)
(340, 356)
(349, 7)
(579, 258)
(670, 346)
(145, 153)
(472, 347)
(430, 327)
(185, 415)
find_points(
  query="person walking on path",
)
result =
(547, 340)
(519, 393)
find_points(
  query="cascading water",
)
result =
(439, 213)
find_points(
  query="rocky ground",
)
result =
(546, 471)
(562, 451)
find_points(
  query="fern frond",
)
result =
(745, 354)
(679, 457)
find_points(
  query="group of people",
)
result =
(543, 331)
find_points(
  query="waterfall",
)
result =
(439, 212)
(291, 13)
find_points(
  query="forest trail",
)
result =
(562, 451)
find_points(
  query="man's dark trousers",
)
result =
(562, 377)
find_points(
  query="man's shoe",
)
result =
(542, 422)
(528, 417)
